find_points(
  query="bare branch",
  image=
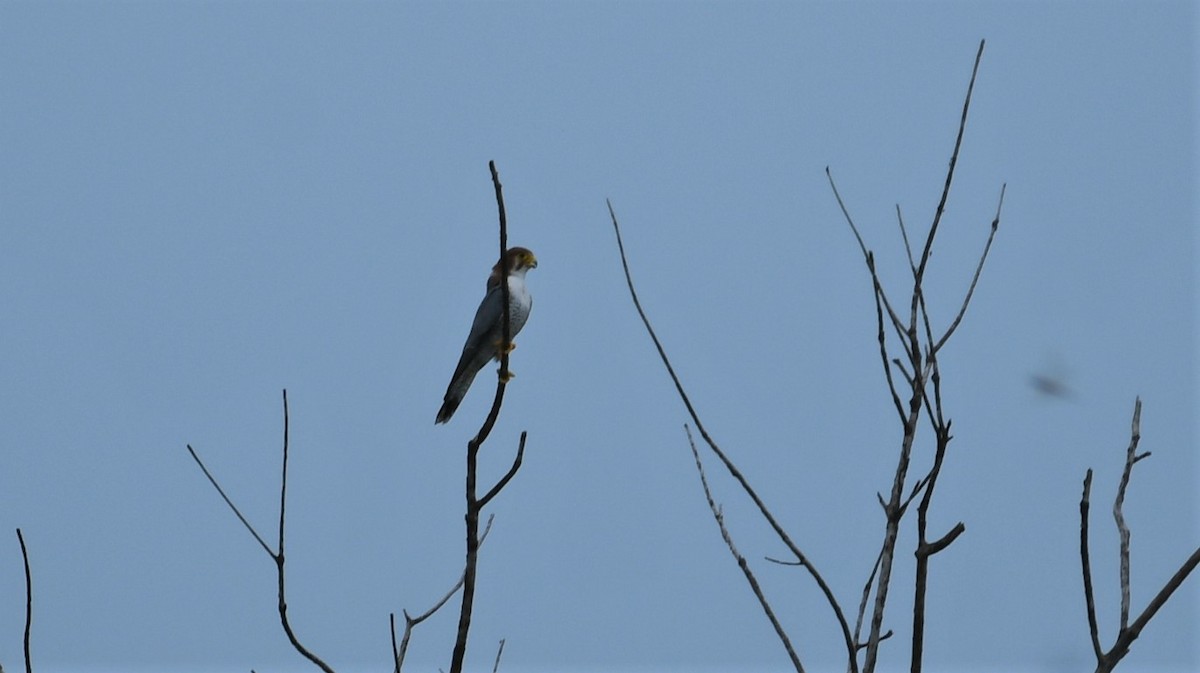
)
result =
(729, 466)
(499, 651)
(866, 595)
(474, 504)
(1118, 509)
(28, 600)
(411, 622)
(1125, 640)
(1106, 661)
(1088, 594)
(212, 480)
(277, 557)
(512, 471)
(868, 256)
(978, 269)
(941, 208)
(912, 264)
(741, 560)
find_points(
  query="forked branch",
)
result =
(411, 622)
(1107, 661)
(801, 558)
(741, 560)
(276, 556)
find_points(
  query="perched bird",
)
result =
(484, 341)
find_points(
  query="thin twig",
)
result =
(279, 558)
(862, 246)
(1085, 560)
(28, 600)
(941, 208)
(729, 466)
(978, 269)
(411, 622)
(1118, 509)
(741, 560)
(499, 651)
(212, 480)
(866, 595)
(512, 471)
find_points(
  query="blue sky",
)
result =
(204, 203)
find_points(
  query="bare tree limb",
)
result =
(28, 601)
(867, 254)
(941, 208)
(411, 622)
(1118, 509)
(974, 280)
(729, 466)
(474, 504)
(1107, 661)
(741, 560)
(277, 557)
(499, 651)
(212, 480)
(1085, 560)
(924, 369)
(512, 471)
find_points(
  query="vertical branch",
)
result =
(276, 556)
(1118, 509)
(1106, 661)
(279, 558)
(1085, 560)
(28, 600)
(474, 503)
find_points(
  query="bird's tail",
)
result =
(454, 396)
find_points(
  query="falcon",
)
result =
(484, 341)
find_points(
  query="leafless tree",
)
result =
(914, 384)
(909, 347)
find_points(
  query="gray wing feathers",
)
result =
(480, 348)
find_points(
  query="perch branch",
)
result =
(474, 504)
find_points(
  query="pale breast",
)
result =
(519, 303)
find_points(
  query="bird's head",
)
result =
(519, 259)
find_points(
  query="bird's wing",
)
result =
(487, 320)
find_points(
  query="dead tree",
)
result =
(914, 381)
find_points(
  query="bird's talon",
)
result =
(506, 376)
